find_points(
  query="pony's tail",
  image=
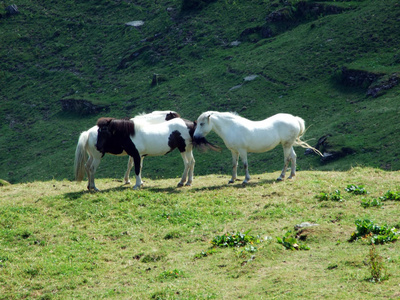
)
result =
(301, 143)
(80, 156)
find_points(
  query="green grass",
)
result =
(61, 242)
(56, 50)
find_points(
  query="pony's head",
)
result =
(111, 129)
(203, 126)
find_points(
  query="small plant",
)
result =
(172, 235)
(356, 190)
(334, 196)
(392, 196)
(366, 229)
(170, 274)
(235, 240)
(289, 241)
(371, 203)
(376, 266)
(206, 253)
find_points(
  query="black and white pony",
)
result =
(139, 140)
(241, 136)
(87, 157)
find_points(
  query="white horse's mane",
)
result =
(226, 114)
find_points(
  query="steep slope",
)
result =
(58, 56)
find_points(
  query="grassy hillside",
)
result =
(61, 242)
(82, 50)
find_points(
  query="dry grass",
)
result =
(61, 242)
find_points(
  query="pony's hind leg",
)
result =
(235, 159)
(289, 156)
(128, 170)
(293, 164)
(91, 167)
(243, 155)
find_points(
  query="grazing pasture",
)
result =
(61, 242)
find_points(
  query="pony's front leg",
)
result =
(189, 168)
(128, 170)
(235, 159)
(138, 160)
(139, 182)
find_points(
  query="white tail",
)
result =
(301, 143)
(80, 156)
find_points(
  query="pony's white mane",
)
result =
(231, 115)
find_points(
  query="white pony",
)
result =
(241, 136)
(87, 147)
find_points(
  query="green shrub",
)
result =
(334, 196)
(235, 240)
(370, 203)
(392, 195)
(376, 266)
(356, 190)
(366, 229)
(289, 241)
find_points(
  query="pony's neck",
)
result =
(221, 124)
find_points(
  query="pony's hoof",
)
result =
(136, 187)
(279, 179)
(180, 184)
(188, 184)
(127, 182)
(231, 181)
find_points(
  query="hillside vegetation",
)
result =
(63, 64)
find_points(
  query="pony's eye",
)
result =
(201, 124)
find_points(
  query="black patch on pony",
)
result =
(172, 115)
(113, 134)
(176, 140)
(117, 126)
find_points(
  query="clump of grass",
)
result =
(153, 257)
(171, 274)
(376, 266)
(392, 195)
(290, 242)
(206, 253)
(4, 182)
(367, 230)
(356, 189)
(371, 203)
(172, 235)
(238, 239)
(334, 196)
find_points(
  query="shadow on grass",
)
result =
(173, 189)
